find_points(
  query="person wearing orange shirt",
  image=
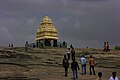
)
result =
(92, 64)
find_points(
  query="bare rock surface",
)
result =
(46, 63)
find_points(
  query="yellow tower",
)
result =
(46, 34)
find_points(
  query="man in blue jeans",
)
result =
(74, 67)
(83, 64)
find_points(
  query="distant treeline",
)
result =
(117, 47)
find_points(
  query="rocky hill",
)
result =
(45, 63)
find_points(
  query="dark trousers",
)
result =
(73, 57)
(66, 71)
(75, 74)
(26, 49)
(92, 70)
(85, 68)
(68, 56)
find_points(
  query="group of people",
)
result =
(91, 65)
(106, 46)
(75, 67)
(11, 45)
(74, 64)
(113, 77)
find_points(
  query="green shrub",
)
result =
(117, 47)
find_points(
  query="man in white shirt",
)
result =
(83, 64)
(68, 53)
(113, 77)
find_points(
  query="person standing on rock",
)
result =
(75, 68)
(108, 49)
(73, 53)
(68, 53)
(9, 45)
(83, 64)
(92, 64)
(12, 45)
(65, 65)
(26, 46)
(71, 46)
(105, 48)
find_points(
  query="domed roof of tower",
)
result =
(46, 19)
(46, 30)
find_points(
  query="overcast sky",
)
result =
(79, 22)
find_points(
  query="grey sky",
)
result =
(79, 22)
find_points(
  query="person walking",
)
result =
(83, 64)
(92, 64)
(65, 65)
(113, 77)
(75, 68)
(99, 76)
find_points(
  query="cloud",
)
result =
(80, 22)
(90, 0)
(6, 36)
